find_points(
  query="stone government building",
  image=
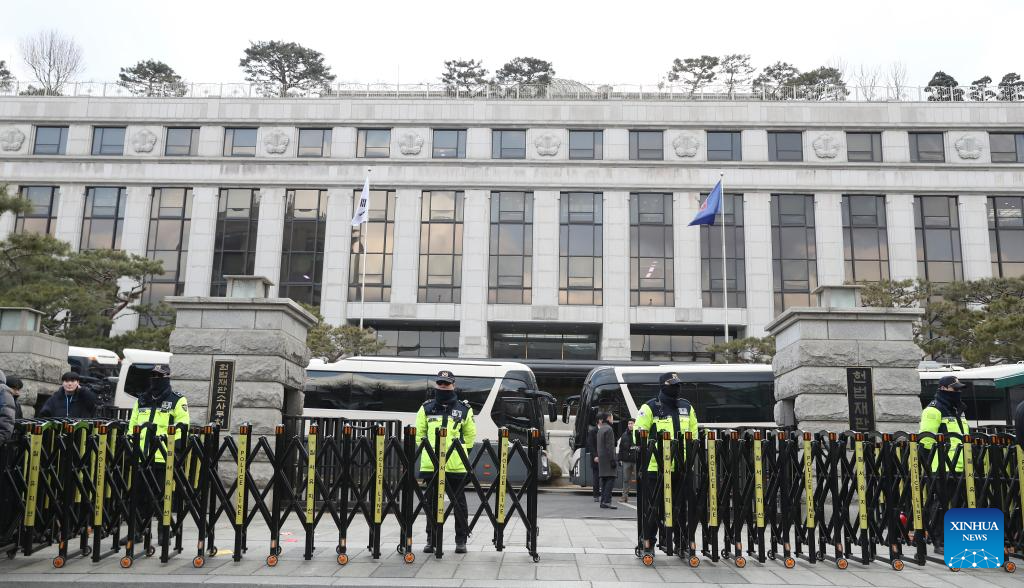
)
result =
(527, 228)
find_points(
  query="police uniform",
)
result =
(447, 412)
(666, 412)
(945, 415)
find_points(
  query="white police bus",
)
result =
(502, 394)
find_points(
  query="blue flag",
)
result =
(711, 206)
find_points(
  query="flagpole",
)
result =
(362, 261)
(725, 277)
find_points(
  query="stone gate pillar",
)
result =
(839, 357)
(242, 356)
(38, 359)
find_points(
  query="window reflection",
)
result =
(379, 235)
(514, 342)
(239, 142)
(794, 255)
(785, 146)
(651, 268)
(646, 145)
(586, 145)
(42, 219)
(372, 143)
(865, 242)
(580, 250)
(440, 267)
(1006, 235)
(169, 221)
(724, 146)
(655, 343)
(108, 141)
(182, 142)
(302, 254)
(449, 144)
(234, 253)
(735, 256)
(510, 271)
(51, 141)
(937, 227)
(508, 144)
(103, 218)
(314, 143)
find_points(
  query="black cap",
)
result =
(947, 381)
(161, 369)
(70, 377)
(669, 379)
(445, 376)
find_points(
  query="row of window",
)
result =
(925, 147)
(510, 270)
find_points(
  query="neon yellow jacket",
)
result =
(932, 421)
(159, 411)
(458, 420)
(653, 412)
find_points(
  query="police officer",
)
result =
(158, 406)
(666, 412)
(447, 412)
(945, 415)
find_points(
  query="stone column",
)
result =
(211, 141)
(899, 220)
(977, 256)
(270, 236)
(895, 146)
(134, 238)
(755, 144)
(616, 144)
(202, 236)
(757, 238)
(337, 248)
(478, 143)
(36, 358)
(828, 236)
(545, 255)
(615, 343)
(686, 249)
(405, 266)
(473, 336)
(70, 213)
(816, 345)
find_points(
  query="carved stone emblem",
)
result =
(968, 147)
(11, 139)
(144, 141)
(276, 142)
(826, 146)
(410, 143)
(547, 145)
(686, 145)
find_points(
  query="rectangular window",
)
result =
(449, 144)
(302, 257)
(440, 277)
(586, 144)
(544, 342)
(651, 268)
(108, 141)
(794, 255)
(865, 241)
(412, 340)
(1006, 235)
(169, 221)
(314, 143)
(239, 142)
(1007, 147)
(51, 141)
(937, 227)
(646, 145)
(725, 146)
(864, 146)
(508, 144)
(379, 238)
(785, 146)
(580, 248)
(735, 256)
(103, 219)
(234, 247)
(373, 143)
(182, 142)
(510, 271)
(927, 148)
(42, 219)
(656, 343)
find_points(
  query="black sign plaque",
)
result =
(221, 389)
(861, 396)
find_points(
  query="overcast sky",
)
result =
(619, 42)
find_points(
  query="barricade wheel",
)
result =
(86, 551)
(1010, 567)
(277, 550)
(536, 558)
(212, 551)
(741, 562)
(636, 551)
(648, 559)
(58, 562)
(337, 550)
(12, 553)
(342, 559)
(694, 561)
(771, 555)
(842, 564)
(410, 557)
(897, 564)
(271, 560)
(150, 551)
(790, 563)
(952, 569)
(198, 561)
(126, 562)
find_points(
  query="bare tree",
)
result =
(896, 79)
(54, 58)
(866, 79)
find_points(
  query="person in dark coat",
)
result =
(70, 401)
(1018, 420)
(7, 404)
(15, 384)
(595, 476)
(627, 457)
(606, 460)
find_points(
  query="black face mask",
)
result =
(445, 396)
(157, 386)
(668, 396)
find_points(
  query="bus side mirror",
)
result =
(566, 408)
(553, 411)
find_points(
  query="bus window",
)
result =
(473, 390)
(735, 402)
(385, 392)
(137, 380)
(329, 390)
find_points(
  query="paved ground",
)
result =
(580, 546)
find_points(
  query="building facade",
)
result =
(526, 228)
